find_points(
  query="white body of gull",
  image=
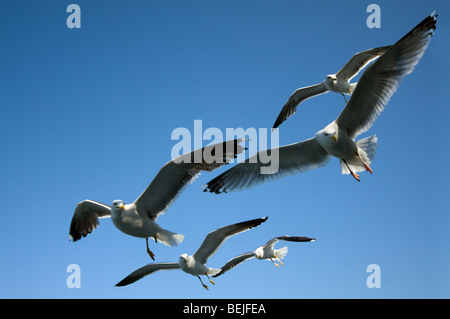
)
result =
(339, 82)
(264, 252)
(196, 264)
(138, 219)
(375, 87)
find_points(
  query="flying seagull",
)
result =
(264, 252)
(339, 82)
(138, 219)
(375, 87)
(196, 264)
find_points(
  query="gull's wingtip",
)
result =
(120, 284)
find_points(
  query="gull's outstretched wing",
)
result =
(296, 98)
(273, 241)
(215, 239)
(382, 78)
(146, 270)
(291, 159)
(358, 62)
(85, 218)
(176, 174)
(234, 262)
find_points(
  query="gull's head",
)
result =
(259, 252)
(183, 259)
(327, 136)
(330, 79)
(331, 135)
(118, 204)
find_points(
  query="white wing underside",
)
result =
(178, 173)
(382, 78)
(292, 159)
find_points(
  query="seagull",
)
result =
(138, 219)
(264, 252)
(339, 82)
(375, 87)
(195, 264)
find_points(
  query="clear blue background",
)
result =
(88, 114)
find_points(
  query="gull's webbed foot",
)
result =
(278, 259)
(150, 253)
(366, 166)
(356, 176)
(275, 263)
(204, 286)
(210, 279)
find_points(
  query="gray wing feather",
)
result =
(292, 159)
(234, 262)
(85, 218)
(359, 61)
(382, 78)
(296, 98)
(273, 241)
(178, 173)
(145, 271)
(215, 239)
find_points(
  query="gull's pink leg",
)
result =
(356, 176)
(151, 254)
(366, 166)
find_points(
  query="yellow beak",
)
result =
(334, 137)
(122, 207)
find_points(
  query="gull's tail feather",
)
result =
(367, 148)
(168, 238)
(282, 252)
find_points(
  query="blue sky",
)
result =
(88, 114)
